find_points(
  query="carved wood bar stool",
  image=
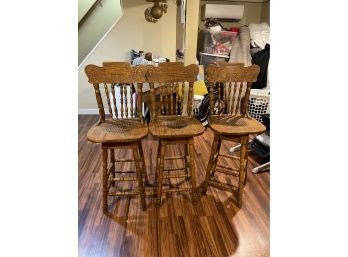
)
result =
(172, 122)
(230, 121)
(123, 127)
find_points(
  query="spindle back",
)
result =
(171, 79)
(118, 82)
(232, 83)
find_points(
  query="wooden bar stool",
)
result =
(172, 122)
(123, 128)
(230, 121)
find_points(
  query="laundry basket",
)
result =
(258, 103)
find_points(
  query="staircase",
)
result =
(96, 18)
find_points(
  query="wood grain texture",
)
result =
(171, 127)
(165, 75)
(123, 130)
(232, 72)
(176, 127)
(235, 125)
(214, 227)
(236, 81)
(124, 77)
(115, 73)
(117, 133)
(172, 72)
(230, 124)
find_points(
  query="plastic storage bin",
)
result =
(218, 42)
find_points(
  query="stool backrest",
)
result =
(232, 83)
(168, 95)
(117, 81)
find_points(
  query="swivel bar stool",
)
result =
(230, 121)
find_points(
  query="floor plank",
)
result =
(215, 227)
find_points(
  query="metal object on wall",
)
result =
(152, 14)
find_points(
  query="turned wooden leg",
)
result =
(160, 172)
(242, 169)
(215, 159)
(113, 167)
(246, 163)
(105, 186)
(157, 161)
(139, 177)
(204, 185)
(187, 160)
(142, 159)
(193, 172)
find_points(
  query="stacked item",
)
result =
(256, 36)
(240, 48)
(260, 40)
(259, 34)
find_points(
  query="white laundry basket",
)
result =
(259, 103)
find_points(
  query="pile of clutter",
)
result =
(142, 58)
(218, 39)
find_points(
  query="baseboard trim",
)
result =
(88, 111)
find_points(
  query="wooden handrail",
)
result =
(88, 13)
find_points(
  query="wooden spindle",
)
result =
(140, 101)
(171, 99)
(228, 84)
(225, 99)
(211, 99)
(161, 98)
(179, 97)
(100, 103)
(131, 100)
(219, 93)
(121, 100)
(125, 90)
(114, 99)
(153, 101)
(190, 98)
(176, 98)
(246, 99)
(239, 96)
(167, 97)
(108, 98)
(233, 97)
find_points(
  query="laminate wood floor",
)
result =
(215, 227)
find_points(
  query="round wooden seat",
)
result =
(176, 127)
(117, 131)
(237, 125)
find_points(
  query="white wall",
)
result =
(131, 32)
(84, 6)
